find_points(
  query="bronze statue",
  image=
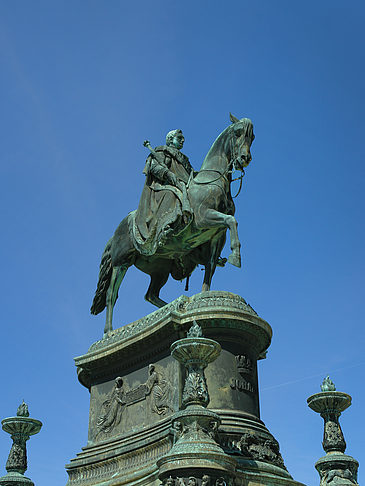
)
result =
(181, 220)
(164, 206)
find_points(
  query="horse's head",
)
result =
(241, 139)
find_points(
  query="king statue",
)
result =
(181, 220)
(164, 206)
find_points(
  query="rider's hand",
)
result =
(171, 178)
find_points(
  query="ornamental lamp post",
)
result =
(335, 465)
(20, 428)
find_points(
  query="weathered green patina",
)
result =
(20, 428)
(195, 428)
(335, 468)
(170, 407)
(181, 220)
(151, 414)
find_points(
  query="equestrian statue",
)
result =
(181, 220)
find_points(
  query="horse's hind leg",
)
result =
(158, 280)
(215, 248)
(112, 295)
(208, 274)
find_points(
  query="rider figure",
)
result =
(164, 206)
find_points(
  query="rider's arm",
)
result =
(161, 172)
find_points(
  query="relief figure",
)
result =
(112, 409)
(159, 389)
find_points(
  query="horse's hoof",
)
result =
(234, 260)
(152, 299)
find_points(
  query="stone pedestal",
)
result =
(138, 406)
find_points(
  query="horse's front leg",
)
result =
(215, 218)
(158, 280)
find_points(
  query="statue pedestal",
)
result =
(136, 389)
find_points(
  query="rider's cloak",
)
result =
(162, 205)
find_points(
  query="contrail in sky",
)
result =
(310, 377)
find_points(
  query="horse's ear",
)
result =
(233, 118)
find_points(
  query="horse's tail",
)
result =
(105, 273)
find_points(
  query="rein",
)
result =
(236, 179)
(221, 174)
(224, 174)
(231, 167)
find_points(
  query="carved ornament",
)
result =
(156, 386)
(204, 480)
(260, 448)
(336, 477)
(182, 305)
(244, 364)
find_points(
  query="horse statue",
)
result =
(199, 241)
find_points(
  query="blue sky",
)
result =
(82, 84)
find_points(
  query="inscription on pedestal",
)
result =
(241, 385)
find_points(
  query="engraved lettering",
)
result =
(241, 385)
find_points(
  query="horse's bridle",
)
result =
(224, 176)
(230, 169)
